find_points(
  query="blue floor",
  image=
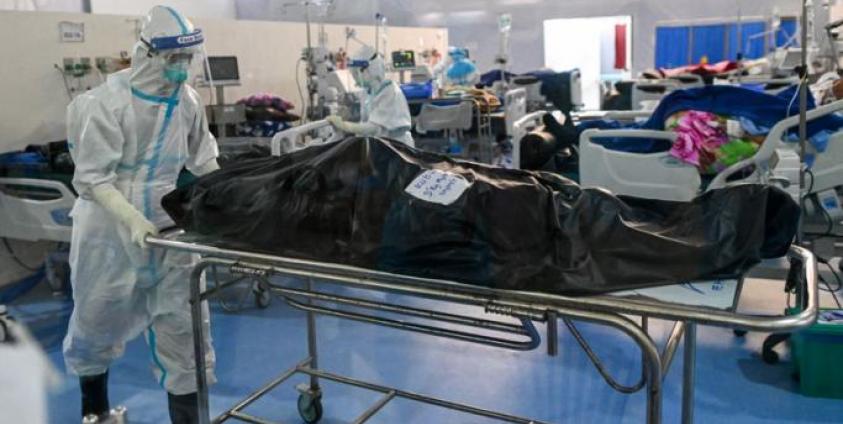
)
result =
(733, 385)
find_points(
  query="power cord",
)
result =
(828, 287)
(802, 81)
(829, 231)
(64, 79)
(16, 258)
(829, 221)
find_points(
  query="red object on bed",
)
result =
(708, 69)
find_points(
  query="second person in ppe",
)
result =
(385, 112)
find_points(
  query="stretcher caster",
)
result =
(310, 408)
(769, 355)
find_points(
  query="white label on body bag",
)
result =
(437, 186)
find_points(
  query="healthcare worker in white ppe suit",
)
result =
(130, 138)
(385, 112)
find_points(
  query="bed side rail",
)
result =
(294, 138)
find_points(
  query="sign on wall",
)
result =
(71, 32)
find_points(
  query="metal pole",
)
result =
(670, 347)
(803, 108)
(377, 32)
(552, 333)
(739, 41)
(688, 373)
(199, 342)
(307, 24)
(311, 341)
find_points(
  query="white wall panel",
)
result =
(473, 22)
(34, 100)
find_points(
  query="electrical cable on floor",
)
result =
(830, 291)
(828, 288)
(16, 258)
(833, 272)
(829, 220)
(829, 231)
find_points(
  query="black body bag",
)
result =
(377, 204)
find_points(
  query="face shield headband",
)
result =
(175, 42)
(362, 64)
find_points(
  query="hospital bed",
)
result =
(455, 115)
(306, 135)
(458, 117)
(34, 209)
(661, 176)
(646, 93)
(771, 84)
(501, 318)
(613, 115)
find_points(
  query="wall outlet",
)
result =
(76, 66)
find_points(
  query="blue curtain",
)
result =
(751, 50)
(788, 28)
(710, 41)
(672, 45)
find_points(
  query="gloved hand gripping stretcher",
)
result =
(366, 213)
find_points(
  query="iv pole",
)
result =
(803, 107)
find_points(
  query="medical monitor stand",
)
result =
(224, 71)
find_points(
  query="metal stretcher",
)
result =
(309, 291)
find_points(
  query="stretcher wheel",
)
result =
(262, 297)
(739, 333)
(310, 408)
(769, 356)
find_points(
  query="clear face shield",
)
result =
(177, 67)
(178, 53)
(358, 71)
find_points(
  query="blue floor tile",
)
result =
(254, 346)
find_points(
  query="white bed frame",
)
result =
(660, 176)
(31, 218)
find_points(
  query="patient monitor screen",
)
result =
(223, 68)
(403, 59)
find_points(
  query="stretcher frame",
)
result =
(527, 307)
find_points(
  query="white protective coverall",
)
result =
(385, 112)
(134, 134)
